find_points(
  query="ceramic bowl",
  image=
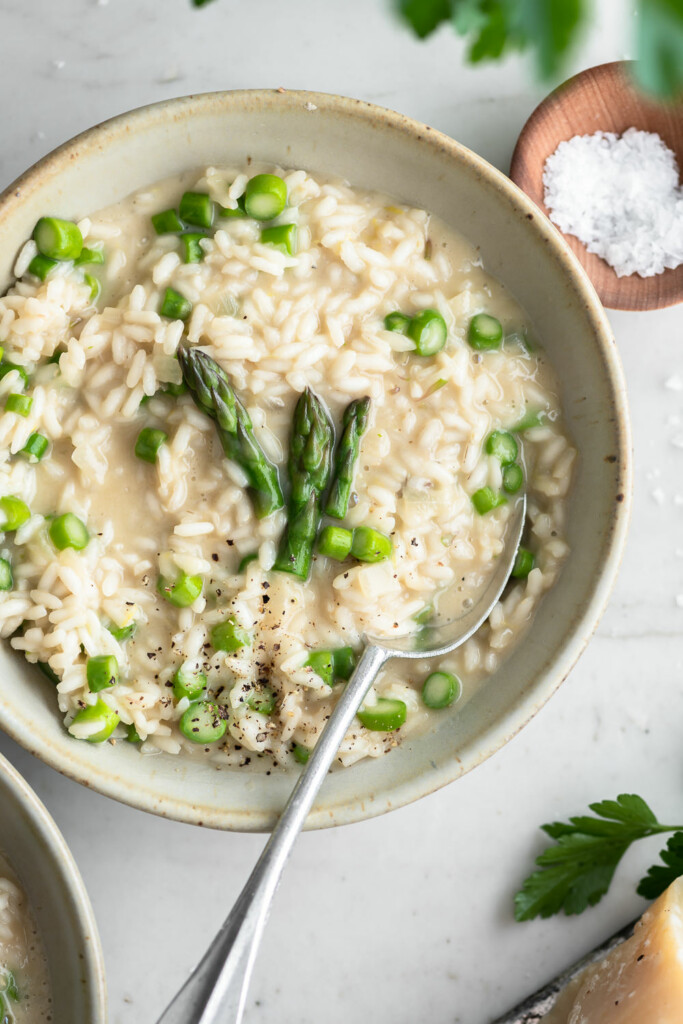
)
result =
(36, 850)
(376, 149)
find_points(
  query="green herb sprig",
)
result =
(550, 29)
(660, 876)
(575, 872)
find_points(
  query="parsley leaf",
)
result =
(424, 16)
(660, 877)
(549, 29)
(577, 870)
(494, 27)
(469, 16)
(494, 36)
(659, 68)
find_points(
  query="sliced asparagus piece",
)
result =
(213, 394)
(354, 426)
(309, 466)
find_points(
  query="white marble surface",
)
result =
(407, 917)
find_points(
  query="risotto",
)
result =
(24, 984)
(251, 415)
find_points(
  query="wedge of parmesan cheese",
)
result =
(639, 982)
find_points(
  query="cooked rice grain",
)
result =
(277, 323)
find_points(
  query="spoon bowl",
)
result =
(602, 98)
(444, 637)
(217, 988)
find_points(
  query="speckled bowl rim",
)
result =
(54, 847)
(562, 660)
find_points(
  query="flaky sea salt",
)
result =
(620, 195)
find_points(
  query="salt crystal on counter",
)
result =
(620, 195)
(172, 74)
(674, 383)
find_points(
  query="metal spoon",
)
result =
(216, 990)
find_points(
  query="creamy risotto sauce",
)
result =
(24, 982)
(99, 370)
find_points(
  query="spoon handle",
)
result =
(217, 988)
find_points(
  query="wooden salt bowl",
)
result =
(603, 98)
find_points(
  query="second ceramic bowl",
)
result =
(37, 852)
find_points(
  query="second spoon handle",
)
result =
(216, 990)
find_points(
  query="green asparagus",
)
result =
(213, 394)
(309, 466)
(354, 425)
